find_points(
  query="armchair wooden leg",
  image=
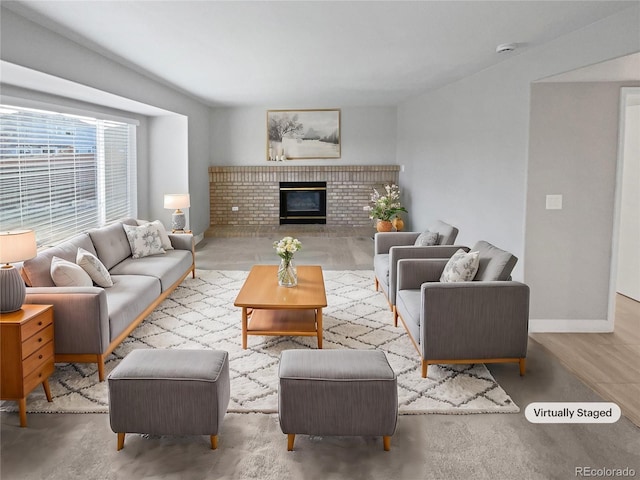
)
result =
(425, 366)
(291, 437)
(214, 442)
(100, 368)
(386, 442)
(120, 440)
(523, 366)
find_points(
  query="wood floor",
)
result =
(609, 363)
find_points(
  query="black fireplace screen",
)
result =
(303, 202)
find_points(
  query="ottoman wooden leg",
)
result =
(120, 440)
(386, 442)
(291, 437)
(214, 442)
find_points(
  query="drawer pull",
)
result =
(40, 375)
(40, 323)
(40, 339)
(40, 357)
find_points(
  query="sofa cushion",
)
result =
(128, 298)
(94, 267)
(67, 274)
(36, 272)
(111, 244)
(167, 268)
(144, 240)
(495, 264)
(461, 267)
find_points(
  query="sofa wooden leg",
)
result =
(120, 440)
(386, 442)
(395, 316)
(291, 437)
(214, 442)
(425, 366)
(523, 366)
(101, 368)
(376, 283)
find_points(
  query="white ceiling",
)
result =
(310, 54)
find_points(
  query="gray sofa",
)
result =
(389, 247)
(90, 322)
(481, 321)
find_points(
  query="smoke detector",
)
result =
(506, 47)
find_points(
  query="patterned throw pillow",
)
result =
(427, 239)
(461, 267)
(94, 267)
(164, 236)
(68, 274)
(144, 240)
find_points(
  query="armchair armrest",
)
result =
(383, 241)
(474, 320)
(80, 316)
(397, 253)
(412, 273)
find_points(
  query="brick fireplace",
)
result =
(255, 191)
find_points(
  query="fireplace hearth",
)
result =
(303, 203)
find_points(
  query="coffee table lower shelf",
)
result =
(285, 322)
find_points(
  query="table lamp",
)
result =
(15, 246)
(177, 201)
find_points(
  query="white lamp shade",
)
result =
(176, 201)
(17, 246)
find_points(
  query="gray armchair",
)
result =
(389, 247)
(482, 321)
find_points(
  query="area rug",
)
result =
(200, 314)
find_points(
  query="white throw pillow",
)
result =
(427, 239)
(143, 240)
(68, 274)
(164, 236)
(94, 267)
(461, 267)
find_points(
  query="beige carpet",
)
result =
(200, 314)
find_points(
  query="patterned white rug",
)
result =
(200, 314)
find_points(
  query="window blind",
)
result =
(62, 174)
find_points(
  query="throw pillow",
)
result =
(68, 274)
(427, 239)
(461, 267)
(94, 267)
(144, 240)
(164, 236)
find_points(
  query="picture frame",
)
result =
(303, 134)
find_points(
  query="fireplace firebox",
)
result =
(303, 202)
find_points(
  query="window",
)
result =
(62, 174)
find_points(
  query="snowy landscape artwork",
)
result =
(303, 134)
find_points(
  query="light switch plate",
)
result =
(554, 202)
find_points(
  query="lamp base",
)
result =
(12, 289)
(178, 221)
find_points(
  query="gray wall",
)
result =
(239, 137)
(573, 151)
(465, 146)
(25, 43)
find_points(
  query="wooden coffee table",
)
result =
(269, 309)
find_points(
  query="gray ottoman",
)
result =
(337, 392)
(169, 392)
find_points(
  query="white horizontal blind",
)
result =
(62, 174)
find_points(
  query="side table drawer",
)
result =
(36, 377)
(37, 358)
(35, 324)
(33, 343)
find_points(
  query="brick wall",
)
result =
(255, 191)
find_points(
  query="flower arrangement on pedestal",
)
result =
(286, 248)
(383, 208)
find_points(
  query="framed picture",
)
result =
(303, 134)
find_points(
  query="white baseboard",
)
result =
(198, 238)
(543, 325)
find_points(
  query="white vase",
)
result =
(287, 275)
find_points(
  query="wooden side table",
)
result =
(26, 354)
